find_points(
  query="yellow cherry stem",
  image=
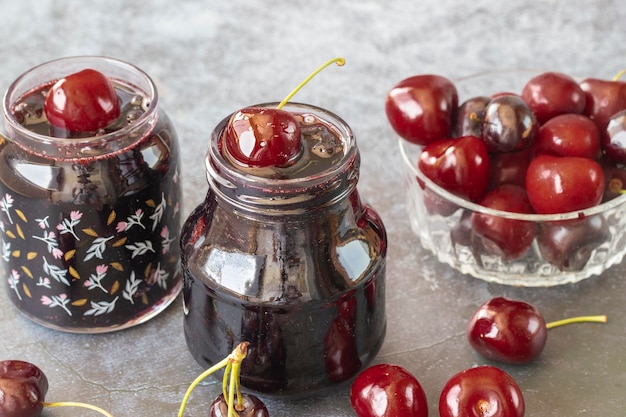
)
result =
(580, 319)
(339, 61)
(232, 362)
(77, 404)
(619, 75)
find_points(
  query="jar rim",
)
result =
(253, 190)
(91, 146)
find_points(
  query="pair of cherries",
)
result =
(501, 329)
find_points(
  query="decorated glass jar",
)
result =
(89, 218)
(290, 260)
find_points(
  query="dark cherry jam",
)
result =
(89, 222)
(290, 260)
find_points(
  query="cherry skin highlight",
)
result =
(262, 137)
(386, 390)
(82, 102)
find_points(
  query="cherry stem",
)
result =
(77, 404)
(619, 75)
(232, 363)
(580, 319)
(339, 61)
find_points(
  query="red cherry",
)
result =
(23, 387)
(552, 93)
(82, 102)
(388, 391)
(604, 98)
(509, 168)
(508, 238)
(484, 391)
(341, 356)
(560, 184)
(420, 108)
(263, 137)
(568, 135)
(460, 166)
(251, 406)
(506, 330)
(508, 125)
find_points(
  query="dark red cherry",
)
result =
(420, 108)
(341, 356)
(82, 102)
(263, 137)
(614, 179)
(508, 125)
(604, 98)
(504, 237)
(252, 406)
(569, 244)
(483, 391)
(386, 390)
(468, 117)
(506, 330)
(568, 135)
(460, 166)
(23, 387)
(553, 93)
(509, 168)
(560, 184)
(614, 139)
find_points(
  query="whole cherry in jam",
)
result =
(420, 108)
(460, 166)
(386, 390)
(561, 184)
(550, 94)
(513, 331)
(483, 391)
(341, 356)
(263, 137)
(501, 236)
(82, 102)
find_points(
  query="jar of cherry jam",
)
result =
(89, 217)
(289, 259)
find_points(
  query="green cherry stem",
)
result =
(77, 404)
(580, 319)
(232, 363)
(339, 61)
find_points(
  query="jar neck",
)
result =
(262, 195)
(92, 147)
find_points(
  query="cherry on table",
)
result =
(23, 387)
(420, 108)
(483, 391)
(82, 102)
(251, 406)
(513, 331)
(387, 390)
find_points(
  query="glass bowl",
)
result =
(567, 247)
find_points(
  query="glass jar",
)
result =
(89, 225)
(293, 264)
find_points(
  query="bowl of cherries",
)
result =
(515, 177)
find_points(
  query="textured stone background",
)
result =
(209, 58)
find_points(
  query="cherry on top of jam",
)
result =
(82, 102)
(260, 137)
